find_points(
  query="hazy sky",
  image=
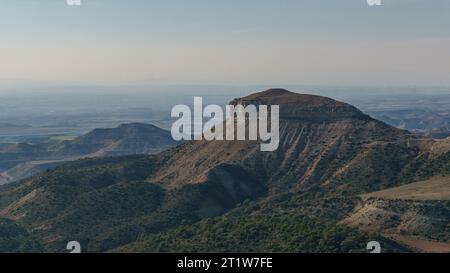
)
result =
(332, 42)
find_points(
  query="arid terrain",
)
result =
(338, 180)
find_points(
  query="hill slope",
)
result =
(133, 138)
(416, 214)
(322, 142)
(228, 195)
(18, 161)
(437, 188)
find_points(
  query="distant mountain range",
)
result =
(134, 138)
(338, 180)
(21, 160)
(430, 123)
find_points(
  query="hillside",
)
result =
(228, 195)
(416, 214)
(15, 239)
(323, 142)
(18, 161)
(133, 138)
(436, 188)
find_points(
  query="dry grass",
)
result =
(436, 188)
(420, 245)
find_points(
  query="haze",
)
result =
(270, 42)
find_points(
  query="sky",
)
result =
(234, 42)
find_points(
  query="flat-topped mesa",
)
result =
(302, 106)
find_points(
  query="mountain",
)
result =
(133, 138)
(228, 196)
(22, 148)
(21, 160)
(322, 141)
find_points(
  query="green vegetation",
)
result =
(293, 200)
(14, 239)
(107, 205)
(285, 223)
